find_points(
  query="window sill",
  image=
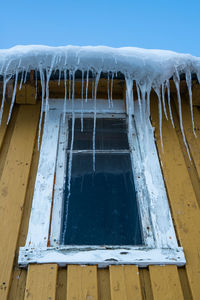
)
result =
(101, 256)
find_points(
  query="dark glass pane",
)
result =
(108, 134)
(102, 207)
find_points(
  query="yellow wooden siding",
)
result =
(18, 167)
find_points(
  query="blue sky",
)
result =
(160, 24)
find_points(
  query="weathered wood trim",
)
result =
(61, 165)
(125, 283)
(42, 200)
(13, 186)
(101, 255)
(41, 282)
(82, 282)
(155, 196)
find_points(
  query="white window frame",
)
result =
(42, 243)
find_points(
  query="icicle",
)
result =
(71, 156)
(157, 90)
(70, 84)
(36, 84)
(189, 82)
(148, 101)
(82, 101)
(13, 97)
(129, 103)
(48, 74)
(65, 100)
(169, 102)
(198, 76)
(163, 100)
(42, 82)
(139, 102)
(108, 86)
(86, 91)
(5, 81)
(111, 90)
(73, 89)
(92, 88)
(72, 141)
(177, 84)
(69, 176)
(25, 77)
(94, 127)
(22, 76)
(59, 76)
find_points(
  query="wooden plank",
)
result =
(184, 283)
(103, 284)
(26, 95)
(145, 283)
(82, 282)
(165, 283)
(125, 283)
(13, 186)
(3, 126)
(193, 165)
(194, 142)
(61, 292)
(183, 202)
(41, 282)
(18, 284)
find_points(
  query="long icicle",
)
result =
(86, 91)
(189, 82)
(163, 99)
(129, 103)
(169, 102)
(13, 97)
(157, 90)
(82, 101)
(36, 84)
(95, 114)
(72, 140)
(48, 74)
(139, 101)
(25, 77)
(65, 100)
(5, 81)
(177, 84)
(108, 87)
(70, 84)
(111, 90)
(42, 82)
(22, 77)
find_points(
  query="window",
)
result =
(128, 221)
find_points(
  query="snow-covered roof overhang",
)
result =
(148, 68)
(145, 66)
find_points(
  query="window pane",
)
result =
(102, 207)
(108, 134)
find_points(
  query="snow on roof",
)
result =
(142, 65)
(148, 68)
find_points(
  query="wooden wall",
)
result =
(18, 167)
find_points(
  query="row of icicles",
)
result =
(143, 95)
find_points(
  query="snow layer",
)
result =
(145, 66)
